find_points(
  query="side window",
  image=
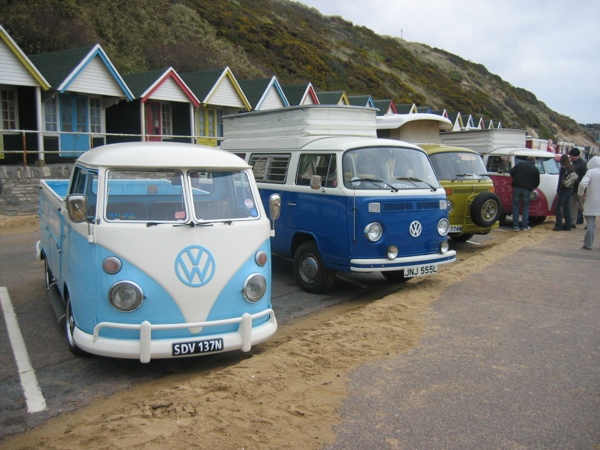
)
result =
(270, 168)
(323, 165)
(86, 182)
(497, 164)
(78, 184)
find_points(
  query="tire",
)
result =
(310, 271)
(395, 276)
(69, 327)
(485, 209)
(462, 237)
(48, 275)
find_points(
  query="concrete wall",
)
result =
(21, 185)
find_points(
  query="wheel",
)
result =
(461, 237)
(69, 328)
(485, 209)
(48, 274)
(310, 270)
(395, 276)
(537, 220)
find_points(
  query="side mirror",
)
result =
(274, 206)
(77, 207)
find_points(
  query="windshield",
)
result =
(544, 165)
(388, 168)
(156, 196)
(458, 165)
(222, 196)
(139, 195)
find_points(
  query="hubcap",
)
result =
(309, 269)
(489, 210)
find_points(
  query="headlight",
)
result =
(126, 296)
(444, 247)
(373, 232)
(534, 195)
(254, 288)
(443, 227)
(450, 206)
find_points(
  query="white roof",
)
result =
(301, 121)
(306, 143)
(157, 155)
(393, 121)
(487, 140)
(521, 151)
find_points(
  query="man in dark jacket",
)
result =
(575, 203)
(525, 178)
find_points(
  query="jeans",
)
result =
(576, 206)
(525, 194)
(562, 206)
(588, 239)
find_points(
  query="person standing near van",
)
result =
(589, 191)
(575, 202)
(525, 178)
(563, 209)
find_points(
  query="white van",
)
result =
(543, 199)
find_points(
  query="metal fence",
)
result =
(42, 147)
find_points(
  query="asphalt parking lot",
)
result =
(511, 360)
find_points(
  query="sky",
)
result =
(548, 47)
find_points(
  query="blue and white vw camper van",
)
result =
(349, 201)
(158, 250)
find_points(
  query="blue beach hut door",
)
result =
(74, 122)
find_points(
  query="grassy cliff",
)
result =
(260, 38)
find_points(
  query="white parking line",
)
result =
(31, 388)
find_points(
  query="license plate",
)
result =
(455, 229)
(416, 271)
(196, 347)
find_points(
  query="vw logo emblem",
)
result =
(195, 266)
(415, 229)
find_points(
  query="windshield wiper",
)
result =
(193, 224)
(461, 175)
(375, 181)
(210, 223)
(153, 224)
(415, 181)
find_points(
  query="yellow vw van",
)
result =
(473, 206)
